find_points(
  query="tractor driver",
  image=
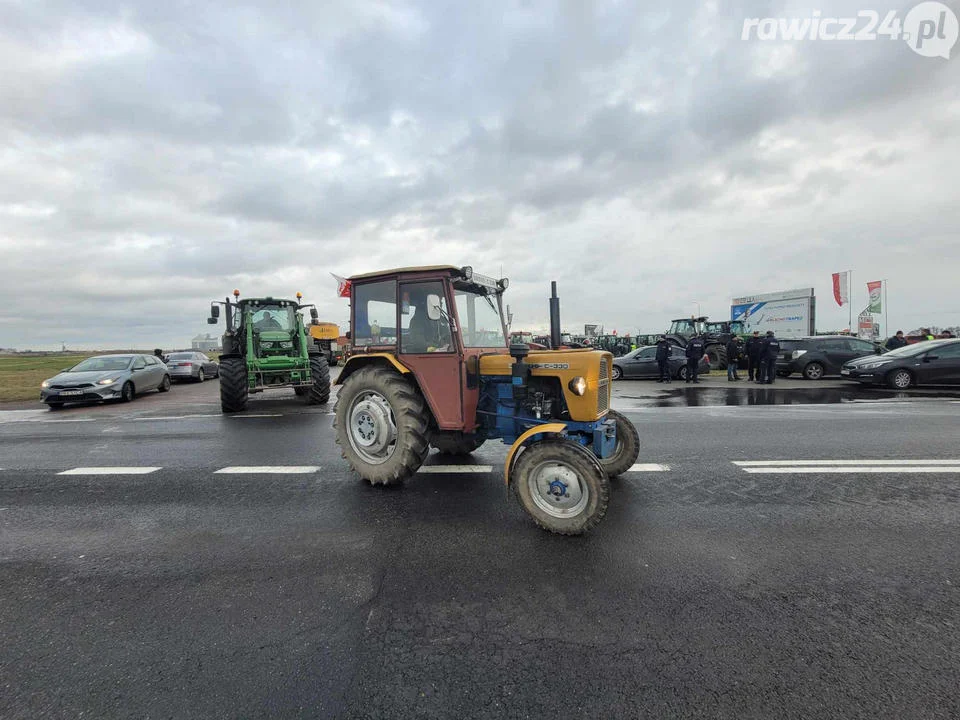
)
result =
(426, 335)
(267, 322)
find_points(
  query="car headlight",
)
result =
(107, 381)
(798, 353)
(45, 384)
(578, 386)
(873, 365)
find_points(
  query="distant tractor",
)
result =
(715, 336)
(325, 336)
(430, 366)
(265, 346)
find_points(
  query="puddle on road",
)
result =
(762, 395)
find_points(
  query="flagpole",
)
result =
(886, 310)
(850, 300)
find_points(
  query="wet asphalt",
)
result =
(709, 590)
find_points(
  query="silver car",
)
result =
(191, 366)
(106, 377)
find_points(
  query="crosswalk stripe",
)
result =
(852, 469)
(797, 463)
(110, 471)
(268, 470)
(456, 469)
(649, 467)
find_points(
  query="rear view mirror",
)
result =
(433, 307)
(214, 311)
(314, 315)
(211, 321)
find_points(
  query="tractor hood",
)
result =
(274, 336)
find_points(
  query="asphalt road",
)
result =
(246, 573)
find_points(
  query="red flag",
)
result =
(841, 285)
(343, 286)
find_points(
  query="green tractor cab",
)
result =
(265, 346)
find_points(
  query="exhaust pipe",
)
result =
(554, 316)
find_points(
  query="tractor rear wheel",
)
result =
(561, 486)
(233, 385)
(301, 390)
(320, 372)
(628, 446)
(382, 425)
(717, 354)
(454, 442)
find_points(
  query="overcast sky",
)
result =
(155, 155)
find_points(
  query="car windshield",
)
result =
(95, 364)
(481, 324)
(911, 350)
(180, 356)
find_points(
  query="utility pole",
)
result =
(886, 311)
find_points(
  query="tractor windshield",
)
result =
(481, 323)
(682, 327)
(275, 318)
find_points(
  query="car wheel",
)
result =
(617, 373)
(900, 379)
(682, 373)
(165, 384)
(813, 371)
(127, 393)
(200, 376)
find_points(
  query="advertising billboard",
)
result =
(790, 314)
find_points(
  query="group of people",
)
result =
(898, 340)
(761, 354)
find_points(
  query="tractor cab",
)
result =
(430, 367)
(687, 327)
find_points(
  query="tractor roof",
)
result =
(403, 270)
(268, 301)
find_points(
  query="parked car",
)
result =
(642, 363)
(191, 366)
(934, 362)
(817, 357)
(106, 377)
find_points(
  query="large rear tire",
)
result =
(561, 486)
(320, 372)
(717, 354)
(454, 442)
(628, 446)
(382, 425)
(233, 385)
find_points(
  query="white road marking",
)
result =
(853, 469)
(257, 416)
(456, 469)
(174, 417)
(110, 471)
(649, 467)
(792, 463)
(268, 470)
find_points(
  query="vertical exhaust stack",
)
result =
(554, 316)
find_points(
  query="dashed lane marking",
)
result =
(649, 467)
(268, 470)
(174, 417)
(791, 463)
(853, 469)
(110, 471)
(258, 415)
(456, 469)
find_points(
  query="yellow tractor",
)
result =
(325, 336)
(430, 366)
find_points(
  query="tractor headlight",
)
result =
(578, 386)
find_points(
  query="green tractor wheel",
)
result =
(233, 384)
(319, 392)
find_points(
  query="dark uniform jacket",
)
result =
(895, 342)
(694, 349)
(663, 351)
(753, 348)
(733, 350)
(770, 348)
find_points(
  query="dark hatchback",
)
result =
(817, 357)
(934, 362)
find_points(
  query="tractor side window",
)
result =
(375, 313)
(420, 334)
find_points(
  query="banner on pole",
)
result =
(875, 290)
(841, 287)
(343, 286)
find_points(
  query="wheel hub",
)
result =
(373, 432)
(557, 489)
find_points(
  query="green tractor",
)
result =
(265, 346)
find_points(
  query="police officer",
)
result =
(753, 356)
(770, 352)
(663, 359)
(694, 353)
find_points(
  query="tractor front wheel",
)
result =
(320, 372)
(382, 425)
(561, 486)
(233, 385)
(454, 442)
(628, 446)
(717, 354)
